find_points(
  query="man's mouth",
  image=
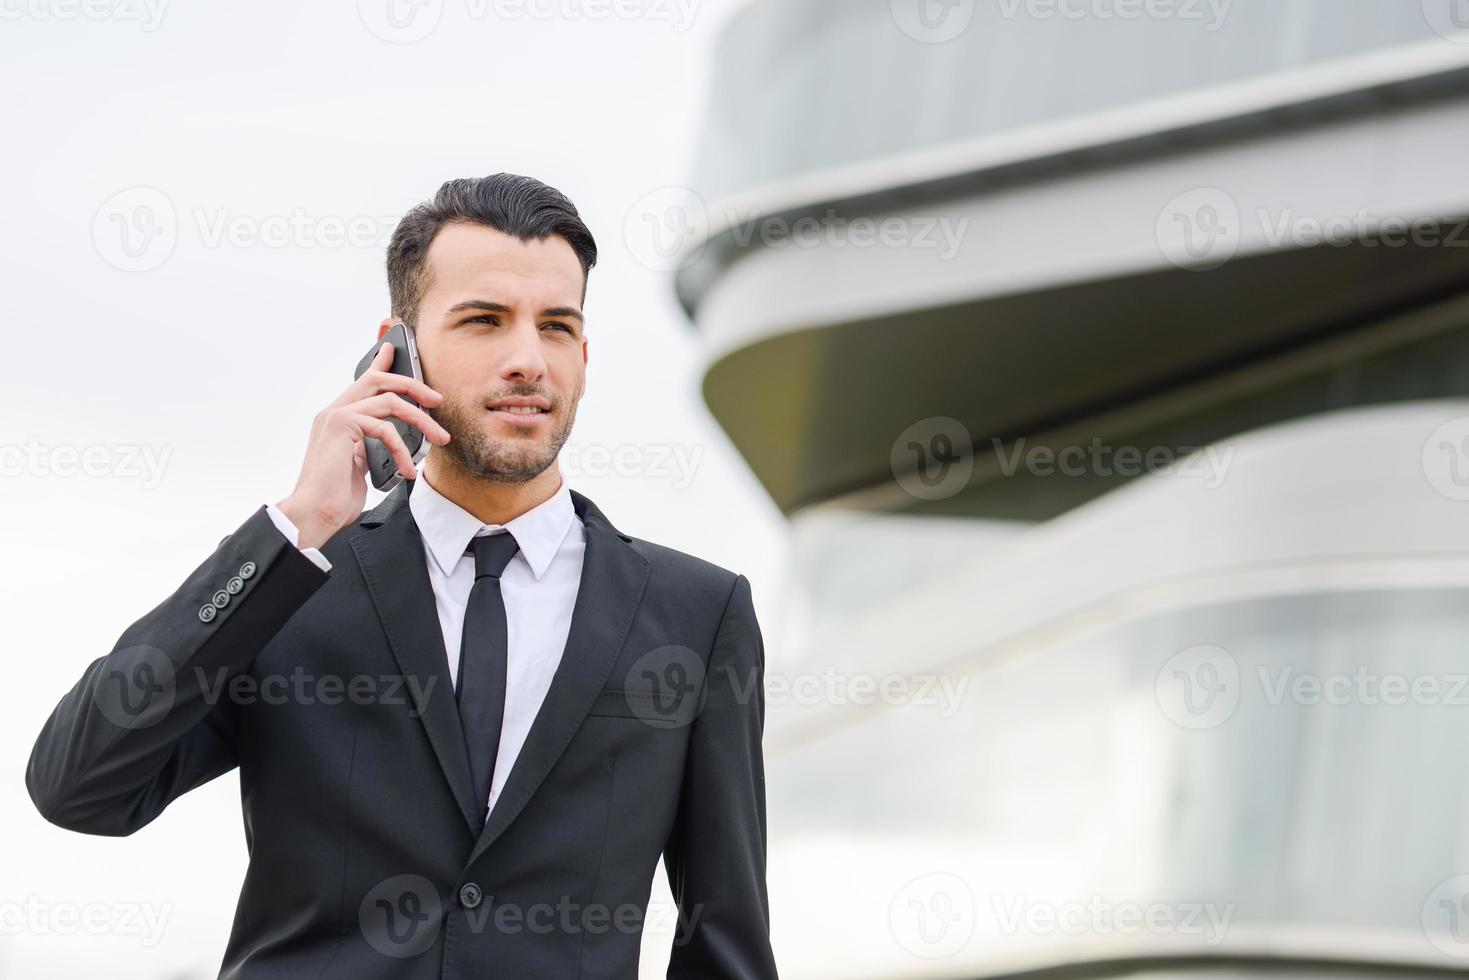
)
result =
(521, 411)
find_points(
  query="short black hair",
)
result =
(509, 203)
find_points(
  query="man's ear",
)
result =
(385, 326)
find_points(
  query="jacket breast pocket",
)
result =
(657, 710)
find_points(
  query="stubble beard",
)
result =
(501, 461)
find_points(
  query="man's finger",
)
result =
(388, 404)
(383, 430)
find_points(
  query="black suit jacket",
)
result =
(331, 694)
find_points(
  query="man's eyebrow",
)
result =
(478, 304)
(494, 307)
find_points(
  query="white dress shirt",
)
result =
(539, 586)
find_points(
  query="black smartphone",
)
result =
(382, 465)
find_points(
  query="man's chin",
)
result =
(518, 440)
(510, 469)
(489, 447)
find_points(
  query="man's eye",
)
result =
(559, 326)
(483, 318)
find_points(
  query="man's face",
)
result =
(500, 336)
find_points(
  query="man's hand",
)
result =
(332, 486)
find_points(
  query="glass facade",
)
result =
(1294, 763)
(1262, 750)
(1006, 719)
(795, 90)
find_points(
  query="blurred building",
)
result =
(1110, 360)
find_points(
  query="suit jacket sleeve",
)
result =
(715, 856)
(151, 720)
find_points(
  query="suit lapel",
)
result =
(392, 560)
(612, 582)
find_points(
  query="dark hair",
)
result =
(509, 203)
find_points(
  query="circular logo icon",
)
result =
(137, 687)
(135, 230)
(1199, 229)
(401, 916)
(933, 459)
(1199, 687)
(1446, 917)
(667, 230)
(932, 916)
(1446, 459)
(401, 21)
(1449, 18)
(665, 687)
(932, 21)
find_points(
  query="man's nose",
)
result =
(524, 361)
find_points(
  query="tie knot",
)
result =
(492, 552)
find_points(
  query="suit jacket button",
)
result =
(221, 599)
(470, 896)
(207, 613)
(234, 585)
(247, 570)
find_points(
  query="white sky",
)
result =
(215, 360)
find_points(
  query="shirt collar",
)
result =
(448, 528)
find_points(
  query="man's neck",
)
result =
(491, 501)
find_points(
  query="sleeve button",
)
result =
(207, 613)
(247, 570)
(234, 585)
(221, 599)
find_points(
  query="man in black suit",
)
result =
(469, 721)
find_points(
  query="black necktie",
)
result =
(483, 654)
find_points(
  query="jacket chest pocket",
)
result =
(660, 710)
